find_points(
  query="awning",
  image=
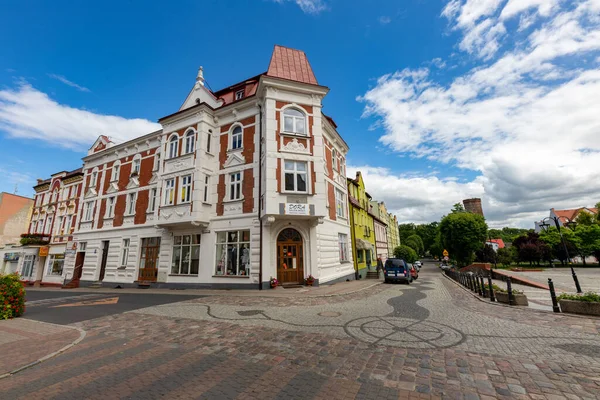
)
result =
(362, 244)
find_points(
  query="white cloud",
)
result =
(384, 20)
(67, 82)
(438, 63)
(308, 6)
(526, 121)
(25, 112)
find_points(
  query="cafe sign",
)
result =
(296, 209)
(44, 250)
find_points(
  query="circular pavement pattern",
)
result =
(403, 332)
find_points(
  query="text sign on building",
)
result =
(296, 209)
(43, 252)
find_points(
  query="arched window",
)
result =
(136, 164)
(236, 138)
(294, 121)
(173, 146)
(116, 169)
(190, 138)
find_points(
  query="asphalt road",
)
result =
(66, 307)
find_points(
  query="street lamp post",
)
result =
(545, 226)
(495, 253)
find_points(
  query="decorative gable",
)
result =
(102, 143)
(154, 179)
(234, 159)
(133, 182)
(91, 193)
(112, 188)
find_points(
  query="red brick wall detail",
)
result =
(331, 200)
(248, 191)
(102, 212)
(278, 175)
(146, 170)
(314, 177)
(220, 194)
(119, 210)
(141, 206)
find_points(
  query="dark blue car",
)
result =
(396, 270)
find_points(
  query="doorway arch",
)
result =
(290, 257)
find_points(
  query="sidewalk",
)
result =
(25, 342)
(340, 288)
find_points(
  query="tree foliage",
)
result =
(406, 253)
(486, 254)
(429, 233)
(416, 243)
(552, 239)
(506, 256)
(405, 231)
(507, 234)
(585, 218)
(462, 234)
(458, 208)
(587, 240)
(532, 249)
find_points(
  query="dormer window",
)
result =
(236, 138)
(173, 146)
(190, 137)
(239, 94)
(294, 121)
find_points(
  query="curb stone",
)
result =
(82, 335)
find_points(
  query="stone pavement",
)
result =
(23, 342)
(589, 278)
(427, 340)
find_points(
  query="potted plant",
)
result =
(519, 299)
(274, 282)
(588, 303)
(309, 280)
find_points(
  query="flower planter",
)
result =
(518, 299)
(579, 307)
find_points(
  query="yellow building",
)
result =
(361, 227)
(393, 234)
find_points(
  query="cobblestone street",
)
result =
(430, 339)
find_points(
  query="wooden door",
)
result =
(79, 260)
(149, 259)
(105, 244)
(290, 257)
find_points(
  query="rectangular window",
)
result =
(110, 207)
(125, 252)
(186, 189)
(94, 179)
(190, 138)
(334, 159)
(55, 264)
(239, 94)
(131, 197)
(27, 270)
(68, 225)
(153, 199)
(48, 226)
(235, 186)
(233, 253)
(208, 137)
(156, 162)
(295, 173)
(340, 203)
(82, 246)
(135, 168)
(40, 226)
(236, 138)
(343, 242)
(206, 186)
(59, 225)
(88, 211)
(186, 255)
(115, 173)
(170, 192)
(359, 256)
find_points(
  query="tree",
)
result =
(428, 232)
(507, 234)
(461, 234)
(506, 256)
(406, 253)
(406, 230)
(587, 240)
(584, 218)
(552, 239)
(458, 208)
(486, 254)
(530, 248)
(416, 243)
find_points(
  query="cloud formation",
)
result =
(26, 112)
(525, 118)
(308, 6)
(67, 82)
(384, 20)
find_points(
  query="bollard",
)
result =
(479, 288)
(555, 306)
(491, 289)
(471, 286)
(509, 290)
(482, 286)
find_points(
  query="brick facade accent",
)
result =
(141, 206)
(331, 201)
(102, 213)
(120, 204)
(248, 191)
(220, 195)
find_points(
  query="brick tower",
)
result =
(473, 206)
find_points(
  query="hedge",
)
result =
(12, 296)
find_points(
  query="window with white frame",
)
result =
(206, 187)
(110, 207)
(343, 242)
(152, 205)
(27, 269)
(294, 121)
(334, 159)
(59, 225)
(233, 253)
(340, 203)
(186, 189)
(48, 225)
(208, 137)
(115, 172)
(170, 192)
(135, 166)
(236, 138)
(130, 206)
(156, 162)
(125, 252)
(94, 179)
(82, 246)
(235, 186)
(186, 255)
(295, 176)
(190, 138)
(40, 226)
(239, 94)
(56, 263)
(173, 146)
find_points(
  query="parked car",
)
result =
(396, 270)
(414, 273)
(418, 265)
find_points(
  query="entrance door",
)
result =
(105, 244)
(28, 266)
(290, 257)
(79, 260)
(149, 259)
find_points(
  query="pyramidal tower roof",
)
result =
(291, 64)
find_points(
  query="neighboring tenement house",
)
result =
(240, 186)
(15, 213)
(393, 234)
(381, 226)
(361, 221)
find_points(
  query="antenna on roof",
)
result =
(16, 188)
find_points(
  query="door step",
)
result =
(143, 285)
(95, 285)
(296, 286)
(372, 275)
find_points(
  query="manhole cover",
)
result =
(330, 314)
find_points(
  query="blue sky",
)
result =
(425, 142)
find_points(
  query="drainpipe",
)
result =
(260, 205)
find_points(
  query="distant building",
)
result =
(393, 234)
(565, 216)
(380, 225)
(496, 244)
(14, 217)
(362, 226)
(473, 206)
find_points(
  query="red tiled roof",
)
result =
(291, 64)
(500, 242)
(571, 214)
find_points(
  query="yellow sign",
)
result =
(99, 302)
(44, 251)
(445, 253)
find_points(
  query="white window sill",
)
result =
(109, 218)
(232, 276)
(185, 275)
(296, 193)
(209, 153)
(296, 135)
(206, 203)
(240, 149)
(233, 201)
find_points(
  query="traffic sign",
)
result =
(445, 253)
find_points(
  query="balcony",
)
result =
(35, 239)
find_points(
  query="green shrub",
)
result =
(12, 296)
(589, 297)
(501, 290)
(406, 253)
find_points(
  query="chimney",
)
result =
(39, 180)
(473, 206)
